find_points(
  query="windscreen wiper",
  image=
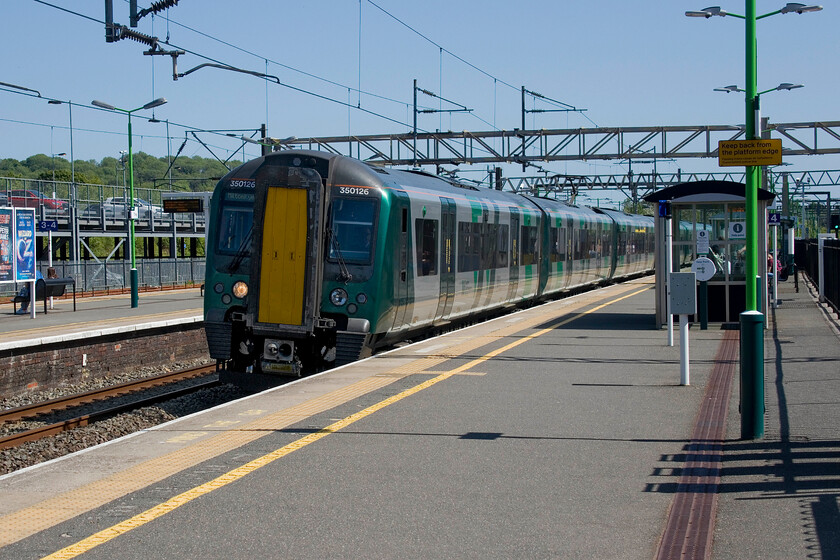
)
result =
(344, 275)
(242, 252)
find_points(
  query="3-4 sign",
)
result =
(774, 219)
(47, 225)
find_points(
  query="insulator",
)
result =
(160, 6)
(127, 33)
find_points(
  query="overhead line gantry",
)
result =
(578, 144)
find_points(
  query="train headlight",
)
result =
(240, 289)
(361, 298)
(338, 297)
(219, 288)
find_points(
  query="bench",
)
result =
(46, 288)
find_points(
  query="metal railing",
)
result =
(97, 207)
(807, 259)
(112, 275)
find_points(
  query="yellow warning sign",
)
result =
(736, 153)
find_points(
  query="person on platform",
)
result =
(24, 292)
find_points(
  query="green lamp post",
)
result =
(135, 298)
(752, 321)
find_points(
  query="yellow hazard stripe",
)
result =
(172, 504)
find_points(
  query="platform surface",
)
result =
(98, 315)
(557, 432)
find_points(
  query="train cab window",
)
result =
(426, 234)
(528, 245)
(352, 226)
(235, 226)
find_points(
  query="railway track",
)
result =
(103, 394)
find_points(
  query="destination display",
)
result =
(183, 205)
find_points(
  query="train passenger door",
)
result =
(447, 264)
(402, 279)
(513, 260)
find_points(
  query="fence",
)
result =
(807, 259)
(115, 274)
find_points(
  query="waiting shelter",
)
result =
(708, 219)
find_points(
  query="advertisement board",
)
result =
(24, 244)
(7, 251)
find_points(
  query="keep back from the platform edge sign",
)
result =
(739, 153)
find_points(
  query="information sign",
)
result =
(774, 219)
(703, 268)
(737, 230)
(737, 153)
(47, 225)
(702, 241)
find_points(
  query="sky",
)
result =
(626, 62)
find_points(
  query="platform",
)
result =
(99, 315)
(556, 432)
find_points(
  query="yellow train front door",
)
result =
(283, 273)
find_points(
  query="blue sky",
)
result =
(629, 63)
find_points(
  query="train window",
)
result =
(488, 243)
(558, 245)
(468, 247)
(427, 246)
(352, 227)
(235, 226)
(582, 244)
(502, 240)
(528, 245)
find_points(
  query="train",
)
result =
(316, 259)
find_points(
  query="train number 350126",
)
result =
(359, 191)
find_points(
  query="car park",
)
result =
(116, 208)
(27, 198)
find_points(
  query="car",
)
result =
(4, 199)
(116, 208)
(26, 198)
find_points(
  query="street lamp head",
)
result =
(156, 103)
(799, 8)
(728, 89)
(102, 105)
(788, 86)
(707, 12)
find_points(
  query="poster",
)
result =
(25, 244)
(7, 268)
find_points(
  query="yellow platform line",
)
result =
(238, 473)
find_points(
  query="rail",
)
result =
(54, 405)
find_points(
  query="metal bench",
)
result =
(46, 288)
